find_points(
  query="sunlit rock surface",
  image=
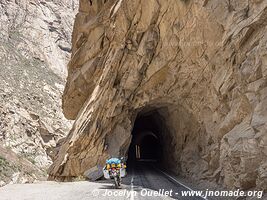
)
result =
(201, 65)
(35, 45)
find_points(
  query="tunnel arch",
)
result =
(143, 134)
(147, 146)
(177, 133)
(147, 135)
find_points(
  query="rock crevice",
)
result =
(201, 65)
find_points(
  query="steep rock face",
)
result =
(35, 46)
(39, 30)
(200, 65)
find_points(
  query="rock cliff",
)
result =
(35, 46)
(195, 69)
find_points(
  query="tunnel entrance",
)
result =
(147, 138)
(149, 148)
(168, 138)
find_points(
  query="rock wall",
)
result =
(35, 43)
(201, 64)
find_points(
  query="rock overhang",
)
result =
(130, 55)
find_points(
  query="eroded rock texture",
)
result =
(35, 40)
(200, 65)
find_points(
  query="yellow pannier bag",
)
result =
(119, 166)
(113, 165)
(108, 166)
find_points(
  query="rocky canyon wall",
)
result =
(201, 65)
(35, 44)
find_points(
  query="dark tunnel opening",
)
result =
(147, 138)
(149, 148)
